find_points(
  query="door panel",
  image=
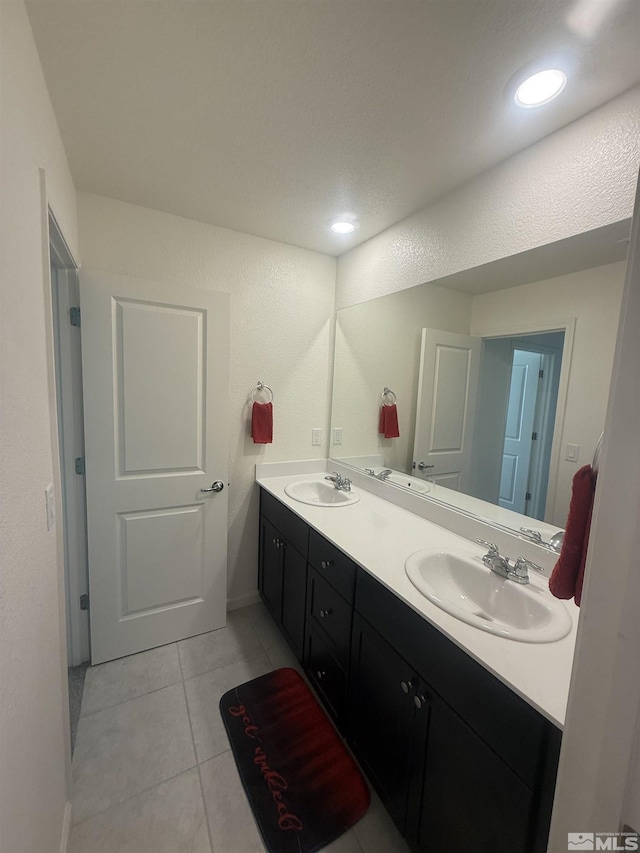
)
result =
(514, 477)
(447, 388)
(157, 384)
(155, 371)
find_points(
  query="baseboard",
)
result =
(66, 826)
(243, 601)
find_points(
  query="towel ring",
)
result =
(261, 387)
(386, 393)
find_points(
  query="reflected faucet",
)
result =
(384, 475)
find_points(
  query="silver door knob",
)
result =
(423, 465)
(218, 486)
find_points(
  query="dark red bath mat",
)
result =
(303, 786)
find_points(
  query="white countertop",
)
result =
(379, 536)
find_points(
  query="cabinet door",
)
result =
(294, 591)
(471, 801)
(381, 717)
(270, 579)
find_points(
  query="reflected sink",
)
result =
(467, 589)
(320, 493)
(415, 485)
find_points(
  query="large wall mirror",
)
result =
(500, 377)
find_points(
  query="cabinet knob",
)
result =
(326, 563)
(406, 686)
(324, 613)
(321, 673)
(419, 701)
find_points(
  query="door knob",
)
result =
(218, 486)
(423, 465)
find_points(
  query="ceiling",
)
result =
(272, 116)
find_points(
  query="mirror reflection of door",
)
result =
(447, 386)
(530, 418)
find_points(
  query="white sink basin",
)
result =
(416, 485)
(467, 589)
(320, 493)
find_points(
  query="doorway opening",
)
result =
(65, 300)
(534, 381)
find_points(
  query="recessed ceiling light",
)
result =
(540, 88)
(345, 224)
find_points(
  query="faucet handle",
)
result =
(521, 566)
(494, 551)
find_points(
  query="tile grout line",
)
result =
(131, 699)
(195, 752)
(132, 797)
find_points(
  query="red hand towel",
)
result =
(568, 574)
(262, 423)
(388, 424)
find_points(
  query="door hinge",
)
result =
(541, 374)
(84, 601)
(534, 436)
(74, 316)
(527, 497)
(80, 468)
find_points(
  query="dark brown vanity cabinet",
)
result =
(459, 760)
(331, 584)
(282, 568)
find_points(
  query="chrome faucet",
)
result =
(518, 572)
(384, 475)
(343, 484)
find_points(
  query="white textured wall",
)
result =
(33, 692)
(593, 297)
(378, 344)
(580, 178)
(282, 303)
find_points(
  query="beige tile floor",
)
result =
(152, 768)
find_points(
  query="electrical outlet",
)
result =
(337, 435)
(50, 500)
(316, 436)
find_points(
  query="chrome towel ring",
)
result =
(261, 387)
(388, 398)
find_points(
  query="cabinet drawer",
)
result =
(331, 615)
(333, 565)
(326, 674)
(294, 529)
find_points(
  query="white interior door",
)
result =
(155, 375)
(449, 369)
(514, 478)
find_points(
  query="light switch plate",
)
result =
(337, 435)
(572, 452)
(50, 500)
(316, 436)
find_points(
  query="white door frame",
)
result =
(568, 326)
(68, 370)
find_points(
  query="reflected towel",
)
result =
(262, 423)
(568, 575)
(388, 424)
